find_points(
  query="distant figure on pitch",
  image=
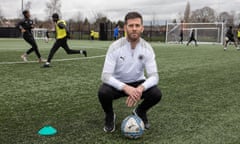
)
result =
(181, 37)
(92, 34)
(47, 36)
(126, 62)
(116, 32)
(192, 37)
(181, 33)
(229, 37)
(62, 35)
(26, 25)
(238, 34)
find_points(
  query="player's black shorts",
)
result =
(231, 39)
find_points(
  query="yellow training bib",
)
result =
(238, 33)
(60, 33)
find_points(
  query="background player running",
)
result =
(181, 33)
(238, 34)
(26, 25)
(62, 35)
(192, 37)
(229, 37)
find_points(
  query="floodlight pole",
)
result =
(22, 5)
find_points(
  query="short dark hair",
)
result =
(25, 12)
(55, 15)
(133, 15)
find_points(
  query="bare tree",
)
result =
(79, 17)
(187, 13)
(76, 22)
(226, 17)
(86, 21)
(1, 16)
(238, 17)
(180, 16)
(98, 16)
(1, 13)
(234, 17)
(28, 5)
(205, 14)
(53, 6)
(154, 17)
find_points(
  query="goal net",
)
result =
(205, 33)
(39, 33)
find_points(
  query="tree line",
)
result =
(79, 23)
(208, 15)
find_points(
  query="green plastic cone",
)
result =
(47, 131)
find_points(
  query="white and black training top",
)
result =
(126, 65)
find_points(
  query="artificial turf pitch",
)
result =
(200, 103)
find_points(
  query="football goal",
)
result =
(39, 33)
(205, 33)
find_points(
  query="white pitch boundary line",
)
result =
(10, 48)
(89, 47)
(70, 59)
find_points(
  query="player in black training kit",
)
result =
(62, 35)
(181, 33)
(229, 37)
(192, 37)
(26, 26)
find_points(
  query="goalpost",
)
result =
(205, 33)
(39, 33)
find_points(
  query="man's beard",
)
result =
(133, 39)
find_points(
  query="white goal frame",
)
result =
(39, 33)
(174, 32)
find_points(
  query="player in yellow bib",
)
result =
(238, 34)
(62, 35)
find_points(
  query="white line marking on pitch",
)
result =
(89, 47)
(8, 48)
(70, 59)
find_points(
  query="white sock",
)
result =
(47, 63)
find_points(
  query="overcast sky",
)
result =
(116, 9)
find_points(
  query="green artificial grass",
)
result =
(200, 103)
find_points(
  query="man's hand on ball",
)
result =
(131, 92)
(140, 90)
(130, 102)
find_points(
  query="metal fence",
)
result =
(151, 33)
(9, 32)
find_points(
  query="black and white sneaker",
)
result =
(24, 57)
(143, 116)
(84, 52)
(46, 65)
(109, 125)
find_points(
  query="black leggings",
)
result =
(192, 39)
(107, 94)
(32, 42)
(61, 43)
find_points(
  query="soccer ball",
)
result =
(132, 127)
(226, 38)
